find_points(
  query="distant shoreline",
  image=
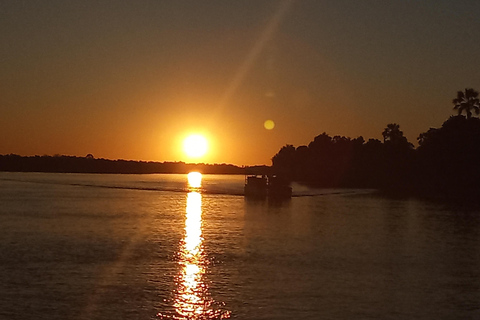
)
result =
(73, 164)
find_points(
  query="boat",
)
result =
(263, 186)
(256, 186)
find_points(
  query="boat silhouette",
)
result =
(263, 186)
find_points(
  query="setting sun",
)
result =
(195, 146)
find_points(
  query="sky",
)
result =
(131, 79)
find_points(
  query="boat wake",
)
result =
(229, 189)
(159, 188)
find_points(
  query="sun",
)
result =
(195, 146)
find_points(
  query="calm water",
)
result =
(149, 247)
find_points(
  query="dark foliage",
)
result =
(344, 162)
(467, 101)
(89, 164)
(447, 159)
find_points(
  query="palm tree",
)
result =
(467, 101)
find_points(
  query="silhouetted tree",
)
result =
(335, 162)
(302, 162)
(284, 161)
(424, 137)
(320, 143)
(449, 157)
(392, 135)
(467, 101)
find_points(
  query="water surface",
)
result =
(78, 246)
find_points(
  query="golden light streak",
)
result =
(252, 56)
(193, 226)
(192, 301)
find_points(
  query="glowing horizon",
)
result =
(308, 66)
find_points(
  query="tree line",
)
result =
(88, 164)
(447, 158)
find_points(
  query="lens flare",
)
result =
(269, 124)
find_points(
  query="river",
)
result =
(81, 246)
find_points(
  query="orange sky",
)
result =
(130, 80)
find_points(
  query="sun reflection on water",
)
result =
(194, 179)
(192, 300)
